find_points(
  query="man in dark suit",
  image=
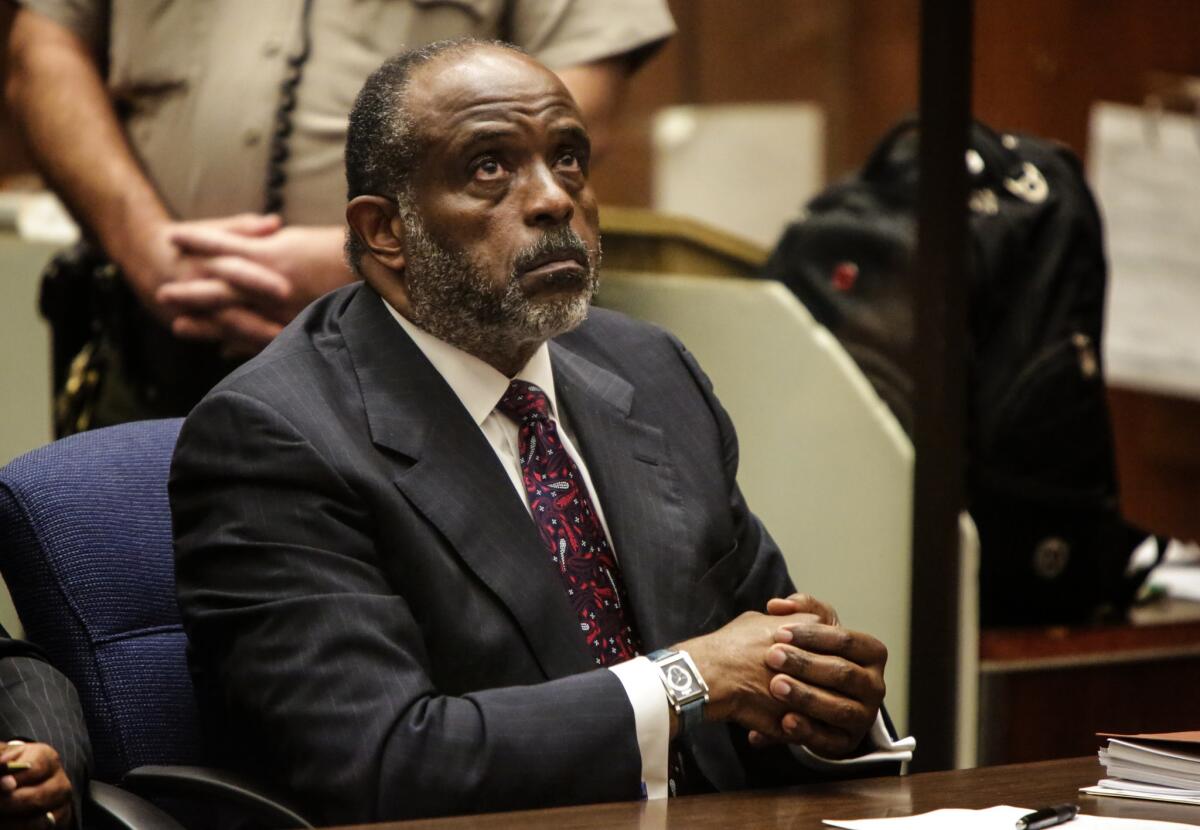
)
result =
(445, 546)
(45, 743)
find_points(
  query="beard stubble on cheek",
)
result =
(456, 300)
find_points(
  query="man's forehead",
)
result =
(484, 83)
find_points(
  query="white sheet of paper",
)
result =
(995, 818)
(1145, 170)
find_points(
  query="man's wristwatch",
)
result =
(686, 690)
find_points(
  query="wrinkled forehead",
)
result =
(459, 92)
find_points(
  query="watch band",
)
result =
(688, 705)
(691, 715)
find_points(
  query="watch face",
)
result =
(681, 681)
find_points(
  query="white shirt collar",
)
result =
(477, 384)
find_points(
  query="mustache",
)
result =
(560, 243)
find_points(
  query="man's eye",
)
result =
(570, 159)
(488, 169)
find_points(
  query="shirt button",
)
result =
(252, 137)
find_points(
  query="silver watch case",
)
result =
(680, 678)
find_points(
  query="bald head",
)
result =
(455, 88)
(383, 141)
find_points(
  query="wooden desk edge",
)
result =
(804, 807)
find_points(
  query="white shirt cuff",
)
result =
(648, 698)
(652, 723)
(886, 749)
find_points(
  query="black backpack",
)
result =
(1041, 480)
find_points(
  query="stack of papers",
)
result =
(1159, 767)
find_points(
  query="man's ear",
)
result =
(376, 222)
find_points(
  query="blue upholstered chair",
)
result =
(86, 550)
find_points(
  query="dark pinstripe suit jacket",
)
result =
(371, 619)
(39, 704)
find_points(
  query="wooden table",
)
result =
(803, 808)
(1046, 692)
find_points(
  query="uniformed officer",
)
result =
(200, 145)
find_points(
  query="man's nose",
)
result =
(547, 201)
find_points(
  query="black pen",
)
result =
(1048, 817)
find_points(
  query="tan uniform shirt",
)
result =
(197, 81)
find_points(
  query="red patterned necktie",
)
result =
(567, 521)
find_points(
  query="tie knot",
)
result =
(525, 401)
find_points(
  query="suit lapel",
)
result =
(450, 474)
(456, 482)
(630, 470)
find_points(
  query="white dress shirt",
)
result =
(480, 387)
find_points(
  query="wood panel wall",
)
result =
(1039, 65)
(857, 58)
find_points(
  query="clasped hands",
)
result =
(235, 280)
(793, 675)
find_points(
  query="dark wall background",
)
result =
(1039, 64)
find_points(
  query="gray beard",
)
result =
(453, 299)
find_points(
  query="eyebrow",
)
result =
(576, 133)
(486, 134)
(483, 135)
